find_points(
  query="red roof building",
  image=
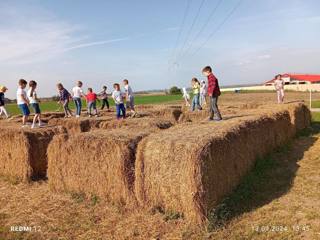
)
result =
(297, 79)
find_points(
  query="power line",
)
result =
(218, 28)
(181, 29)
(204, 26)
(191, 28)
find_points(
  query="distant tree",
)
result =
(175, 90)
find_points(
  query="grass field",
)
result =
(54, 106)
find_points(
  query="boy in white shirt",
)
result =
(23, 101)
(118, 100)
(77, 94)
(129, 97)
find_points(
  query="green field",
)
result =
(143, 99)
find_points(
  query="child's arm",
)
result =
(26, 101)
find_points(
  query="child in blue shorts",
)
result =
(34, 101)
(23, 101)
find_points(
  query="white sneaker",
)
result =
(77, 116)
(33, 126)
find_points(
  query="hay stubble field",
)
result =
(277, 199)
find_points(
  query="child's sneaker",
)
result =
(77, 116)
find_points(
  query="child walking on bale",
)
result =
(196, 94)
(23, 102)
(129, 97)
(77, 94)
(279, 86)
(64, 100)
(3, 110)
(34, 101)
(104, 98)
(186, 96)
(118, 100)
(92, 102)
(203, 93)
(214, 93)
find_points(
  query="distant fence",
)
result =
(293, 87)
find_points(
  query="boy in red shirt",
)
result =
(92, 102)
(214, 93)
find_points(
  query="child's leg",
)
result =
(26, 112)
(118, 111)
(24, 119)
(193, 104)
(3, 110)
(282, 95)
(90, 106)
(95, 108)
(123, 110)
(107, 103)
(65, 108)
(132, 105)
(103, 104)
(76, 103)
(215, 108)
(197, 101)
(278, 96)
(80, 106)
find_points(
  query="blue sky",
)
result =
(102, 42)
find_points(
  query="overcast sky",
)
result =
(146, 41)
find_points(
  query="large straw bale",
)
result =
(97, 163)
(23, 152)
(146, 122)
(166, 112)
(77, 125)
(191, 167)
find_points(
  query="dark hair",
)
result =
(207, 69)
(22, 82)
(60, 86)
(116, 85)
(32, 85)
(278, 75)
(195, 80)
(79, 83)
(90, 89)
(104, 87)
(126, 81)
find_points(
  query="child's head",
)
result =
(207, 70)
(125, 82)
(278, 76)
(23, 83)
(33, 84)
(194, 80)
(79, 84)
(3, 89)
(116, 86)
(60, 86)
(90, 90)
(104, 87)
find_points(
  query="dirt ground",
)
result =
(283, 205)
